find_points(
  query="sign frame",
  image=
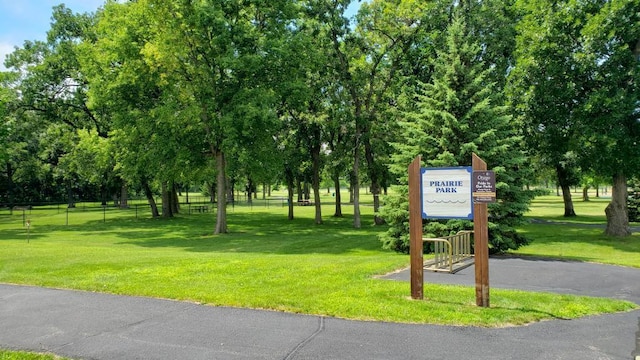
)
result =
(457, 178)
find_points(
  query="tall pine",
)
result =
(456, 114)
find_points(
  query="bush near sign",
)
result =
(483, 186)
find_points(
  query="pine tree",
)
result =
(453, 116)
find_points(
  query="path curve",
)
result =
(100, 326)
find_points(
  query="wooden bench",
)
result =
(201, 208)
(305, 202)
(451, 253)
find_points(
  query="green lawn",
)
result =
(265, 262)
(579, 238)
(24, 355)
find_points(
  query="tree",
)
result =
(546, 86)
(458, 114)
(365, 63)
(52, 84)
(576, 86)
(610, 60)
(145, 118)
(216, 55)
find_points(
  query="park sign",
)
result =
(484, 187)
(446, 193)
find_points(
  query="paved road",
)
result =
(99, 326)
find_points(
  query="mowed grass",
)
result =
(579, 238)
(25, 355)
(265, 262)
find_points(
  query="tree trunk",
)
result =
(616, 211)
(166, 200)
(307, 190)
(336, 182)
(290, 199)
(356, 191)
(315, 156)
(585, 193)
(221, 218)
(249, 191)
(231, 197)
(288, 175)
(124, 199)
(149, 195)
(175, 200)
(374, 176)
(351, 191)
(566, 191)
(568, 202)
(299, 189)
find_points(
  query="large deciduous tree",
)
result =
(217, 55)
(575, 85)
(366, 60)
(610, 60)
(547, 85)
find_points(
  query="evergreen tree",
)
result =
(453, 116)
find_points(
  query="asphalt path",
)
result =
(84, 325)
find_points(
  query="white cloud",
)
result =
(5, 49)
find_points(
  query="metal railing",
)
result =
(451, 253)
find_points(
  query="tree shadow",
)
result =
(255, 232)
(565, 234)
(587, 220)
(20, 235)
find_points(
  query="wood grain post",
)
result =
(481, 243)
(415, 231)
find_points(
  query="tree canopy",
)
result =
(150, 96)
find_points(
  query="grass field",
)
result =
(25, 355)
(580, 238)
(265, 262)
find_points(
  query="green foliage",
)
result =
(575, 88)
(457, 115)
(609, 58)
(395, 212)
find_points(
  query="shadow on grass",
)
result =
(19, 234)
(255, 232)
(552, 234)
(588, 220)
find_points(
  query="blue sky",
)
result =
(22, 20)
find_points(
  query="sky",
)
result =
(22, 20)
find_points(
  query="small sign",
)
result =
(446, 193)
(484, 187)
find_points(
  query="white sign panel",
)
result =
(446, 193)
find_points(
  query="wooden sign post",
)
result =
(415, 231)
(457, 184)
(480, 238)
